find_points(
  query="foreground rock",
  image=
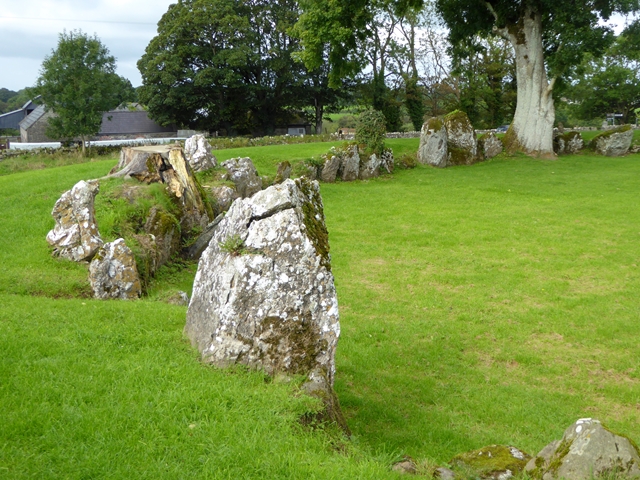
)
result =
(264, 295)
(113, 273)
(197, 150)
(244, 175)
(587, 450)
(498, 462)
(613, 143)
(75, 235)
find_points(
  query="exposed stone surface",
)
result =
(490, 145)
(244, 175)
(371, 167)
(284, 172)
(444, 473)
(165, 230)
(462, 145)
(198, 152)
(113, 273)
(330, 170)
(433, 143)
(407, 465)
(195, 250)
(587, 450)
(224, 197)
(264, 295)
(613, 143)
(573, 142)
(350, 166)
(75, 235)
(498, 462)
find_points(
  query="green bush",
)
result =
(371, 131)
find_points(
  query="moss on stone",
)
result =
(459, 156)
(491, 460)
(313, 219)
(435, 124)
(558, 457)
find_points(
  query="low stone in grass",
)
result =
(224, 196)
(573, 142)
(264, 295)
(587, 450)
(75, 235)
(350, 165)
(244, 175)
(499, 462)
(197, 150)
(614, 142)
(164, 228)
(490, 145)
(284, 172)
(330, 169)
(113, 273)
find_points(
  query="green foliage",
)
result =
(414, 102)
(78, 83)
(371, 131)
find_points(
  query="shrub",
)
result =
(371, 131)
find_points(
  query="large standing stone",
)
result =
(113, 273)
(244, 175)
(587, 450)
(462, 144)
(198, 152)
(350, 167)
(490, 145)
(433, 143)
(75, 235)
(613, 143)
(264, 295)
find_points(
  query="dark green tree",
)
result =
(78, 83)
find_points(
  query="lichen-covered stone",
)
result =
(433, 143)
(75, 235)
(330, 169)
(371, 168)
(613, 143)
(197, 150)
(587, 450)
(244, 175)
(264, 295)
(573, 142)
(350, 166)
(462, 144)
(284, 172)
(224, 196)
(490, 145)
(499, 462)
(113, 273)
(164, 229)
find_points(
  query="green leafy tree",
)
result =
(78, 83)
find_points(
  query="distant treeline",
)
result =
(10, 100)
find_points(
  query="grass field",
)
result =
(496, 303)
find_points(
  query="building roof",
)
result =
(33, 117)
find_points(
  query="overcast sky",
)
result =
(29, 30)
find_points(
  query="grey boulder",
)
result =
(197, 150)
(613, 143)
(244, 175)
(75, 235)
(587, 450)
(113, 273)
(433, 143)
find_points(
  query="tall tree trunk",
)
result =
(319, 114)
(532, 127)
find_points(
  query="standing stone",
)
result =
(75, 235)
(284, 172)
(433, 143)
(387, 160)
(350, 167)
(198, 152)
(264, 295)
(113, 273)
(462, 144)
(490, 145)
(224, 197)
(164, 229)
(371, 167)
(573, 142)
(244, 175)
(330, 169)
(613, 143)
(587, 450)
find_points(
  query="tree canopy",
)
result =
(78, 83)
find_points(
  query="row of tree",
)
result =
(248, 66)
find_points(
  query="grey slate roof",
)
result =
(33, 117)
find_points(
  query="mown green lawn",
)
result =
(496, 303)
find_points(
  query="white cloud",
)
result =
(29, 31)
